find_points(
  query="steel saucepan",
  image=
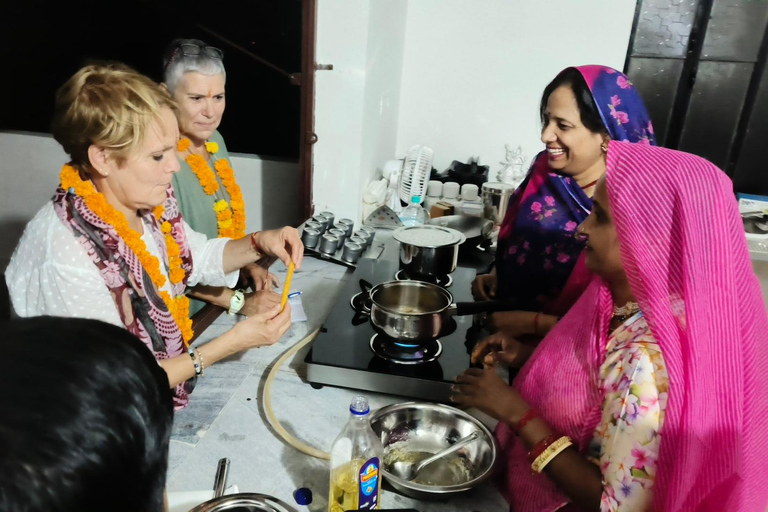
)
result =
(429, 250)
(416, 311)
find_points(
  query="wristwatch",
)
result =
(237, 302)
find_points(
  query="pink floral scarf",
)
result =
(142, 310)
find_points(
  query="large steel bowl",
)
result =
(417, 430)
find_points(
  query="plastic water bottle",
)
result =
(356, 458)
(414, 214)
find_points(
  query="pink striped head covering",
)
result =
(682, 242)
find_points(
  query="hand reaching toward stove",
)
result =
(501, 348)
(486, 391)
(484, 286)
(521, 323)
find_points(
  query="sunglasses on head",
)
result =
(194, 50)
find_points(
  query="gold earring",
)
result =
(604, 146)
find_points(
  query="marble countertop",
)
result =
(225, 416)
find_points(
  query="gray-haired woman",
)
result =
(208, 195)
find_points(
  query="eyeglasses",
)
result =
(194, 50)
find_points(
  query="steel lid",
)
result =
(429, 236)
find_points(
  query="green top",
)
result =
(197, 206)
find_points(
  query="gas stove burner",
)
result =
(361, 303)
(444, 281)
(403, 352)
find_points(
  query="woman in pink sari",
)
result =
(651, 393)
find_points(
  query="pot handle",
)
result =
(483, 306)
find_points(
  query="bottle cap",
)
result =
(359, 406)
(303, 496)
(415, 200)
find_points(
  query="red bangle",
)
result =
(542, 445)
(254, 245)
(527, 417)
(536, 324)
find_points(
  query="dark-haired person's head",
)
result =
(582, 109)
(572, 127)
(86, 419)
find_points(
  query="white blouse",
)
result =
(50, 272)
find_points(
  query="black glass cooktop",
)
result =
(345, 352)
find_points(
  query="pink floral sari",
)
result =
(682, 242)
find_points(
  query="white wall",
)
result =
(474, 71)
(357, 103)
(29, 174)
(463, 77)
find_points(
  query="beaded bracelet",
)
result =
(530, 415)
(202, 363)
(191, 353)
(550, 453)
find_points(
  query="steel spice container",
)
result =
(428, 250)
(496, 198)
(310, 237)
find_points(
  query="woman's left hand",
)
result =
(485, 390)
(262, 278)
(284, 243)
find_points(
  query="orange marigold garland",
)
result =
(97, 203)
(183, 144)
(230, 217)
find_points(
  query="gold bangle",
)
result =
(550, 453)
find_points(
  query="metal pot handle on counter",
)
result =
(417, 311)
(429, 250)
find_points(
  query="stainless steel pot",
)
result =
(429, 250)
(417, 311)
(244, 502)
(496, 198)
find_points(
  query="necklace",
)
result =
(585, 187)
(230, 218)
(97, 203)
(625, 311)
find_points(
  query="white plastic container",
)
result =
(451, 194)
(356, 458)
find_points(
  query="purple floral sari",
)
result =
(539, 259)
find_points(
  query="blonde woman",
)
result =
(112, 244)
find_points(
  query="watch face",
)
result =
(237, 302)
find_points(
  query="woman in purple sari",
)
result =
(539, 263)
